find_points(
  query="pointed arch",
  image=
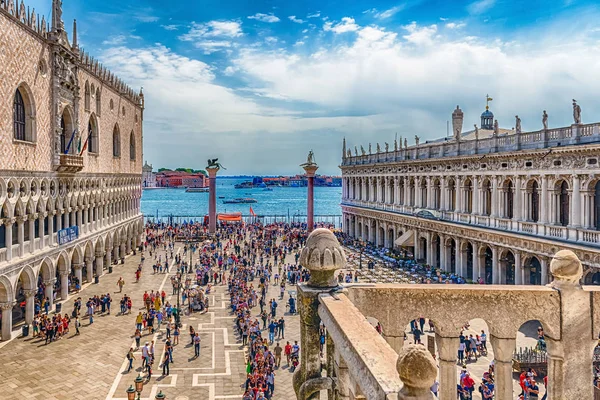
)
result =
(132, 146)
(116, 141)
(92, 134)
(87, 96)
(24, 114)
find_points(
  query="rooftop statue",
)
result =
(405, 143)
(362, 150)
(311, 158)
(496, 128)
(517, 124)
(356, 151)
(369, 148)
(417, 140)
(387, 147)
(396, 144)
(476, 132)
(545, 120)
(378, 148)
(576, 112)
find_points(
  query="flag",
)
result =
(489, 99)
(86, 143)
(252, 212)
(70, 142)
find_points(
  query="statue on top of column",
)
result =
(576, 112)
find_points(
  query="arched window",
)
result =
(92, 135)
(132, 146)
(468, 206)
(563, 204)
(87, 96)
(19, 116)
(487, 198)
(116, 142)
(98, 102)
(451, 196)
(66, 132)
(63, 136)
(535, 202)
(23, 115)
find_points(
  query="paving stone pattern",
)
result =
(92, 365)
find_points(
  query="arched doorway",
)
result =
(390, 239)
(488, 262)
(452, 258)
(507, 265)
(66, 132)
(535, 202)
(533, 271)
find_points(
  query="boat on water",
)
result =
(196, 190)
(244, 185)
(221, 197)
(268, 189)
(246, 200)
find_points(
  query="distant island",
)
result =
(198, 178)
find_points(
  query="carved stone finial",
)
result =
(322, 256)
(566, 268)
(417, 370)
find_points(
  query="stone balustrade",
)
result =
(361, 363)
(546, 138)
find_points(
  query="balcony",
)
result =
(69, 163)
(362, 362)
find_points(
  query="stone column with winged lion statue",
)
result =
(310, 167)
(212, 168)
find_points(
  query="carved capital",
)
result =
(7, 306)
(77, 265)
(29, 293)
(33, 217)
(64, 273)
(49, 282)
(21, 218)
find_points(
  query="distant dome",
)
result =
(487, 113)
(487, 119)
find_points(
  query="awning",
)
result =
(406, 240)
(235, 217)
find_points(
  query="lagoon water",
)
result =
(281, 201)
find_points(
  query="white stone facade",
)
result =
(51, 94)
(497, 208)
(148, 176)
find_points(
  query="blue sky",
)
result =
(258, 84)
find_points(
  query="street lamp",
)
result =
(139, 386)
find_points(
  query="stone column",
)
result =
(21, 235)
(79, 220)
(476, 271)
(310, 170)
(430, 200)
(64, 285)
(322, 280)
(495, 197)
(443, 253)
(212, 198)
(459, 259)
(8, 223)
(459, 195)
(447, 349)
(503, 354)
(443, 194)
(406, 191)
(544, 272)
(42, 228)
(50, 291)
(31, 221)
(495, 266)
(544, 201)
(475, 208)
(518, 200)
(107, 260)
(576, 204)
(99, 264)
(78, 272)
(519, 278)
(7, 319)
(51, 227)
(29, 305)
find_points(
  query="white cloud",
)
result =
(299, 43)
(115, 40)
(271, 39)
(454, 25)
(480, 6)
(443, 19)
(304, 30)
(230, 71)
(314, 15)
(136, 37)
(213, 36)
(420, 35)
(389, 12)
(296, 20)
(146, 18)
(170, 27)
(269, 18)
(347, 25)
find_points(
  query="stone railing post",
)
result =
(503, 354)
(322, 256)
(447, 349)
(570, 368)
(417, 370)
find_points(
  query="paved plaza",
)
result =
(93, 365)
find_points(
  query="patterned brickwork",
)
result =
(21, 51)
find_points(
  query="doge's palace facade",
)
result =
(488, 204)
(70, 164)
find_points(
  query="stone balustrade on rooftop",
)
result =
(361, 363)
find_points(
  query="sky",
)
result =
(260, 83)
